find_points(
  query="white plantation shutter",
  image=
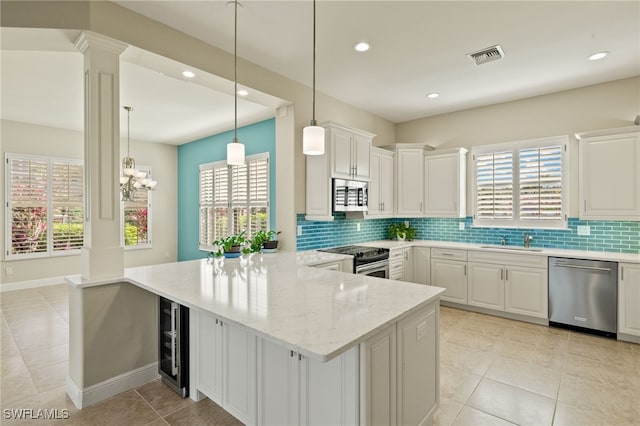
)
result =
(521, 184)
(233, 198)
(45, 207)
(494, 185)
(541, 183)
(67, 187)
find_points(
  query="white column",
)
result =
(102, 254)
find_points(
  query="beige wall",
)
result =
(602, 106)
(23, 138)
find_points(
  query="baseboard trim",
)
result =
(83, 398)
(24, 285)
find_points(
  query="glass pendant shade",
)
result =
(235, 154)
(313, 140)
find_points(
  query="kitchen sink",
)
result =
(513, 248)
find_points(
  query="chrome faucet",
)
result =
(527, 239)
(503, 240)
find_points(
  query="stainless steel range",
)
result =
(370, 261)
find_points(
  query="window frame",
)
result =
(149, 243)
(516, 147)
(230, 205)
(50, 252)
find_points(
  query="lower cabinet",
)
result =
(629, 299)
(407, 266)
(449, 270)
(509, 287)
(227, 365)
(422, 265)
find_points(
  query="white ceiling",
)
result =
(418, 47)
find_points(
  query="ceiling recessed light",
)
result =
(598, 55)
(362, 46)
(433, 95)
(188, 74)
(242, 92)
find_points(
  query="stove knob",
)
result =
(359, 254)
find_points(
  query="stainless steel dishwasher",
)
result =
(583, 294)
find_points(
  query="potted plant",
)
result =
(270, 242)
(230, 246)
(401, 231)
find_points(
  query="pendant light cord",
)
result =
(313, 112)
(235, 73)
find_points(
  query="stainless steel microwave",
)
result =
(350, 195)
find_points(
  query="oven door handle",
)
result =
(174, 332)
(362, 269)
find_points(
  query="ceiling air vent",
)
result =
(489, 54)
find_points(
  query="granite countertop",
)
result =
(537, 251)
(317, 312)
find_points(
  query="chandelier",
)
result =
(133, 179)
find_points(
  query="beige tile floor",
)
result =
(493, 372)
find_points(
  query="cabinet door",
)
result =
(341, 154)
(375, 190)
(407, 270)
(329, 390)
(629, 299)
(526, 291)
(209, 359)
(422, 265)
(410, 181)
(442, 186)
(418, 376)
(239, 388)
(452, 275)
(386, 184)
(610, 177)
(318, 195)
(378, 355)
(361, 156)
(486, 285)
(278, 389)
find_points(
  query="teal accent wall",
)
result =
(257, 138)
(606, 235)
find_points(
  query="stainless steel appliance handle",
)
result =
(363, 269)
(174, 332)
(591, 268)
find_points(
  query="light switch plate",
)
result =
(299, 230)
(584, 230)
(461, 226)
(358, 227)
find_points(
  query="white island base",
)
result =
(391, 378)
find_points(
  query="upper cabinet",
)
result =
(350, 152)
(409, 180)
(347, 156)
(610, 174)
(381, 183)
(445, 174)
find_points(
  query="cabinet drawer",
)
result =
(396, 265)
(451, 254)
(531, 260)
(396, 253)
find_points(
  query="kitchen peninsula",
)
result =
(276, 342)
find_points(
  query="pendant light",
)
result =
(235, 150)
(133, 179)
(313, 135)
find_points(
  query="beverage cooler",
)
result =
(173, 345)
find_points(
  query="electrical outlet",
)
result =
(357, 227)
(9, 270)
(461, 226)
(299, 230)
(584, 230)
(406, 223)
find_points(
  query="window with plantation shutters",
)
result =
(233, 199)
(45, 206)
(136, 218)
(521, 184)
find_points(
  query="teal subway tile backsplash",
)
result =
(606, 235)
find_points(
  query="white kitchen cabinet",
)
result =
(409, 181)
(486, 285)
(445, 178)
(515, 283)
(226, 365)
(418, 378)
(396, 264)
(609, 172)
(381, 184)
(350, 152)
(378, 357)
(407, 267)
(296, 390)
(629, 299)
(337, 265)
(421, 265)
(449, 270)
(347, 155)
